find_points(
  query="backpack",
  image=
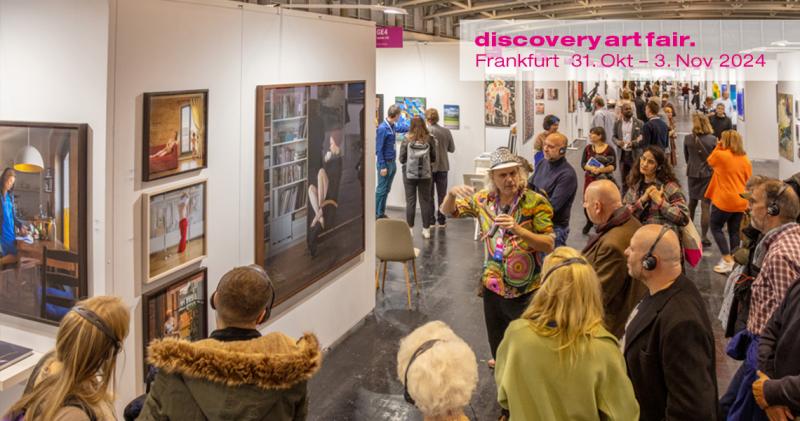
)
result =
(418, 161)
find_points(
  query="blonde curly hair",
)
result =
(442, 379)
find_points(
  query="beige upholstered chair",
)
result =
(394, 245)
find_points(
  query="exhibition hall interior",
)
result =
(399, 210)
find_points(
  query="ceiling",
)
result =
(441, 18)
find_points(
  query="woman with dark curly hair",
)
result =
(654, 195)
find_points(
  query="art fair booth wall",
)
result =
(91, 61)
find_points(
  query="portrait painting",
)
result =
(499, 104)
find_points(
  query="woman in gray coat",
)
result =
(697, 145)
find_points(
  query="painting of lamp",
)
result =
(29, 160)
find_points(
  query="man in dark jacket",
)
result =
(668, 343)
(640, 105)
(777, 391)
(444, 145)
(719, 121)
(655, 131)
(237, 374)
(555, 177)
(606, 252)
(627, 136)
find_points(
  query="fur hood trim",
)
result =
(274, 361)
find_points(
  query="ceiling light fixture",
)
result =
(390, 10)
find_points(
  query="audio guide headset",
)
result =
(102, 326)
(419, 351)
(562, 150)
(263, 274)
(566, 262)
(650, 262)
(773, 209)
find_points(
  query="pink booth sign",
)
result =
(388, 37)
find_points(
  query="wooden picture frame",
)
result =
(51, 266)
(178, 202)
(174, 133)
(152, 307)
(317, 130)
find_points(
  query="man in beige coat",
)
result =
(606, 252)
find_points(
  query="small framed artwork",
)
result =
(538, 93)
(174, 222)
(539, 108)
(176, 310)
(452, 116)
(552, 94)
(175, 133)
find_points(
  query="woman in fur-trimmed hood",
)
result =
(236, 374)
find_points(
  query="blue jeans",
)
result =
(561, 235)
(384, 186)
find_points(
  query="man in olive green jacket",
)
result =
(236, 374)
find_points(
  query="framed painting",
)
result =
(44, 257)
(552, 94)
(499, 104)
(310, 181)
(175, 133)
(539, 108)
(175, 228)
(176, 310)
(539, 93)
(452, 116)
(785, 122)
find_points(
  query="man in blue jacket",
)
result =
(386, 154)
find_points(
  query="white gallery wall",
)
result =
(53, 68)
(430, 70)
(90, 61)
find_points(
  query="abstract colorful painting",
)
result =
(499, 104)
(410, 106)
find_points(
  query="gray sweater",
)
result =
(444, 144)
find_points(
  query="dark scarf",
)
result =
(230, 334)
(619, 217)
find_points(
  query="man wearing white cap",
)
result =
(516, 224)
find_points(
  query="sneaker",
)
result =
(426, 233)
(723, 267)
(442, 225)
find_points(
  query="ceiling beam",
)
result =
(706, 11)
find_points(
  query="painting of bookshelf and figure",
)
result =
(309, 181)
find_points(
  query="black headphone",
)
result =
(773, 209)
(650, 262)
(97, 322)
(567, 262)
(268, 310)
(562, 150)
(419, 351)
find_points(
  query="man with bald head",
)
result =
(605, 251)
(668, 343)
(555, 177)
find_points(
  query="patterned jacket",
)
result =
(672, 211)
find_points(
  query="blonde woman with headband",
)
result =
(74, 382)
(558, 362)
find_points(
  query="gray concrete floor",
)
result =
(358, 379)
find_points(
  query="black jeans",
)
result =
(440, 185)
(499, 312)
(418, 188)
(718, 219)
(705, 210)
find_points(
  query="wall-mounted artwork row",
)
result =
(175, 229)
(177, 310)
(499, 104)
(43, 228)
(175, 133)
(309, 181)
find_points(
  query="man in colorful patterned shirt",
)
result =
(774, 208)
(516, 226)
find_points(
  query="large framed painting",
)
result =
(309, 181)
(176, 310)
(175, 133)
(43, 205)
(785, 125)
(411, 106)
(499, 104)
(175, 229)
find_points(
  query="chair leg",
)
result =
(408, 284)
(416, 282)
(383, 284)
(377, 272)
